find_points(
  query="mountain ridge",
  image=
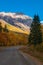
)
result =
(13, 28)
(19, 20)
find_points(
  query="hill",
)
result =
(19, 20)
(15, 36)
(13, 28)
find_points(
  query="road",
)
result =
(12, 56)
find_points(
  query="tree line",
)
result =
(3, 29)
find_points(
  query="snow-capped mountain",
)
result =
(17, 19)
(15, 15)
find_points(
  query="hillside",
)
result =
(19, 20)
(15, 36)
(18, 29)
(13, 28)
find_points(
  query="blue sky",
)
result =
(28, 7)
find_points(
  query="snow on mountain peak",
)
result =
(14, 15)
(7, 14)
(17, 20)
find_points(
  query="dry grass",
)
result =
(13, 28)
(34, 51)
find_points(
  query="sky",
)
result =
(28, 7)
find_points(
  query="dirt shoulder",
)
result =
(33, 53)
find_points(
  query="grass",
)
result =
(13, 28)
(36, 52)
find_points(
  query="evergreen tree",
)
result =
(0, 27)
(35, 36)
(5, 29)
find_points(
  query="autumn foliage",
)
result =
(10, 38)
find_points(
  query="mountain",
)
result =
(16, 21)
(13, 28)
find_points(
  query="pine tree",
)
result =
(35, 36)
(5, 29)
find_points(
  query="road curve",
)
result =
(12, 56)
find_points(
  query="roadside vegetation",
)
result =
(35, 39)
(36, 36)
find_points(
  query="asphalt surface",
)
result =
(12, 56)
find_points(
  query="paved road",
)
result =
(12, 56)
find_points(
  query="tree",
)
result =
(35, 36)
(5, 29)
(0, 27)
